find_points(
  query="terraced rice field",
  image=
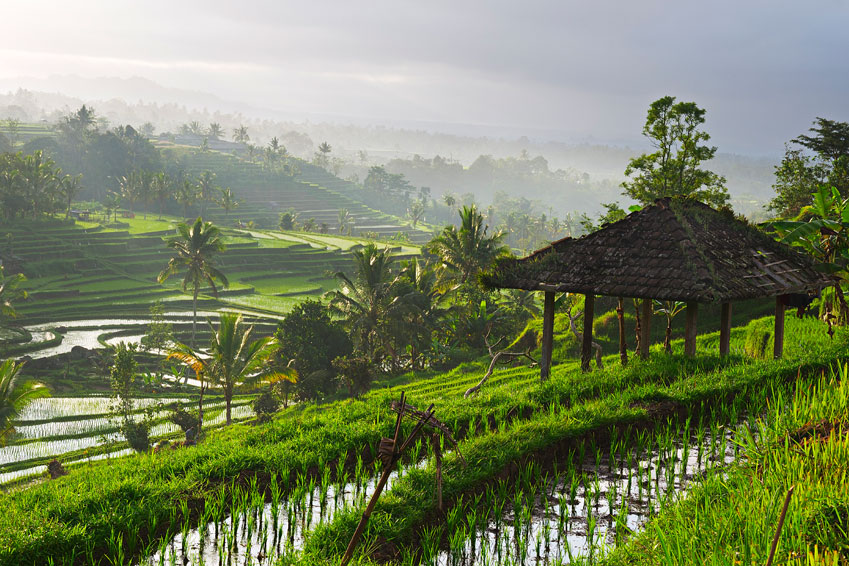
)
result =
(77, 429)
(84, 271)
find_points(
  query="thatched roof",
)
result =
(676, 249)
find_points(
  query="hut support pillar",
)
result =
(623, 346)
(690, 332)
(779, 327)
(587, 345)
(547, 336)
(725, 330)
(645, 329)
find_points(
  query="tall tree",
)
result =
(14, 396)
(195, 249)
(234, 359)
(215, 131)
(161, 187)
(227, 201)
(240, 134)
(206, 188)
(673, 169)
(362, 300)
(467, 251)
(800, 174)
(69, 187)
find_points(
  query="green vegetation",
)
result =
(515, 418)
(673, 169)
(732, 517)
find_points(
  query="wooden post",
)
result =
(587, 346)
(645, 329)
(623, 346)
(778, 351)
(725, 330)
(437, 452)
(547, 336)
(690, 331)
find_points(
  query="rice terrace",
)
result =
(398, 301)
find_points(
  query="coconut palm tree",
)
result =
(187, 194)
(346, 221)
(195, 248)
(194, 361)
(206, 188)
(467, 251)
(234, 359)
(227, 201)
(240, 134)
(215, 131)
(14, 395)
(161, 186)
(362, 301)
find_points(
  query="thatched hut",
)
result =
(675, 250)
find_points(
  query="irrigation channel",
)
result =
(86, 333)
(554, 517)
(259, 532)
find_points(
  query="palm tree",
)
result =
(206, 188)
(416, 308)
(215, 131)
(10, 292)
(227, 201)
(69, 186)
(346, 221)
(14, 395)
(187, 194)
(195, 248)
(160, 189)
(469, 250)
(233, 358)
(364, 300)
(240, 134)
(190, 358)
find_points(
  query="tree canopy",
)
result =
(673, 169)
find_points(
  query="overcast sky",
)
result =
(763, 70)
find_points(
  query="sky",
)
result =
(583, 71)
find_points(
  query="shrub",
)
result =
(355, 372)
(266, 405)
(137, 435)
(183, 418)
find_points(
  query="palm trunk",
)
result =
(667, 342)
(228, 397)
(200, 407)
(194, 314)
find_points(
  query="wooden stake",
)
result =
(623, 346)
(645, 329)
(690, 331)
(725, 330)
(384, 477)
(778, 350)
(780, 524)
(547, 336)
(437, 453)
(587, 345)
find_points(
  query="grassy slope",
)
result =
(78, 512)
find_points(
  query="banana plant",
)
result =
(822, 229)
